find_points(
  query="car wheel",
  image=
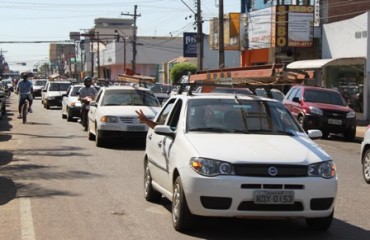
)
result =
(301, 122)
(366, 166)
(98, 140)
(150, 194)
(91, 136)
(350, 134)
(181, 216)
(69, 115)
(320, 224)
(325, 134)
(64, 116)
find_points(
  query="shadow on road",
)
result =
(8, 190)
(267, 229)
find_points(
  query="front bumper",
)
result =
(55, 101)
(330, 125)
(74, 112)
(233, 196)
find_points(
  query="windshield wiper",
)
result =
(266, 131)
(209, 129)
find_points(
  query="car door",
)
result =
(93, 113)
(154, 145)
(65, 99)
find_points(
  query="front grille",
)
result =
(273, 186)
(334, 114)
(127, 119)
(251, 206)
(264, 170)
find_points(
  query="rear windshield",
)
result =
(329, 97)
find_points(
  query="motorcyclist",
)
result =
(24, 89)
(86, 94)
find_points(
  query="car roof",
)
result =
(222, 96)
(126, 87)
(316, 88)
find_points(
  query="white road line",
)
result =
(28, 232)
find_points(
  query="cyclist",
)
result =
(24, 89)
(86, 94)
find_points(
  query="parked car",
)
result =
(38, 85)
(321, 108)
(51, 95)
(71, 106)
(365, 155)
(112, 115)
(270, 93)
(215, 155)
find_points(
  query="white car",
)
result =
(112, 115)
(37, 87)
(365, 155)
(51, 95)
(71, 105)
(225, 155)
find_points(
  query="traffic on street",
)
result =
(56, 184)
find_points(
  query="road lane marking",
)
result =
(28, 232)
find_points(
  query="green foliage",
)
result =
(181, 69)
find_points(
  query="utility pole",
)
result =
(221, 47)
(199, 36)
(98, 41)
(135, 15)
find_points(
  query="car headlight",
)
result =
(109, 119)
(211, 167)
(316, 110)
(325, 169)
(351, 114)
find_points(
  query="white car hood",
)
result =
(128, 111)
(253, 148)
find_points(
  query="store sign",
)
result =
(190, 44)
(259, 29)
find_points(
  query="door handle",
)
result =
(150, 136)
(160, 144)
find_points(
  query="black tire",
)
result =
(150, 194)
(64, 116)
(301, 122)
(325, 134)
(320, 224)
(366, 166)
(24, 113)
(182, 219)
(69, 114)
(350, 134)
(99, 142)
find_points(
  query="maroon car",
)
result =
(321, 108)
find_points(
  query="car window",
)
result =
(328, 97)
(161, 119)
(75, 90)
(291, 93)
(228, 115)
(39, 83)
(175, 115)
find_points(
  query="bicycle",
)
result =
(24, 111)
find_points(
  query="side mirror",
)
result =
(314, 134)
(164, 130)
(296, 99)
(93, 104)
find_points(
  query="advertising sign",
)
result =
(232, 31)
(190, 44)
(294, 26)
(259, 29)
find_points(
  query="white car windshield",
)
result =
(123, 97)
(240, 116)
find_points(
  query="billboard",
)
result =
(293, 26)
(231, 32)
(190, 44)
(259, 28)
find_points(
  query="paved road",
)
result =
(55, 184)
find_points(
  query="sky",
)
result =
(52, 20)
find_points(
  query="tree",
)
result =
(181, 69)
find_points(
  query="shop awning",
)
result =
(319, 63)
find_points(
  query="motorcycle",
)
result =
(84, 111)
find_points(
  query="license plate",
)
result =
(136, 128)
(273, 197)
(335, 121)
